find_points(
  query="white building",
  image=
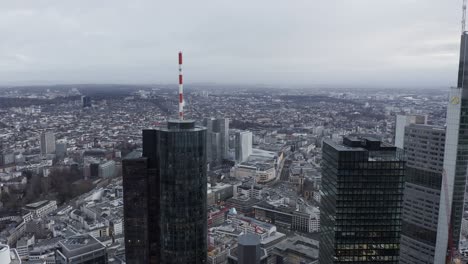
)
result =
(243, 145)
(401, 122)
(47, 143)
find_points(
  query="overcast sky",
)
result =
(372, 43)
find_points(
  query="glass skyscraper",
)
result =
(362, 191)
(455, 162)
(165, 196)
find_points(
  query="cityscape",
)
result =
(203, 173)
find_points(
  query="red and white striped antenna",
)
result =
(181, 89)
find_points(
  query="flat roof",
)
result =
(78, 245)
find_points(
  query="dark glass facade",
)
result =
(362, 191)
(174, 164)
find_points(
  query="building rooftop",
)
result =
(77, 245)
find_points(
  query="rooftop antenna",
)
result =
(181, 88)
(464, 17)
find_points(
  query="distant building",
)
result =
(6, 158)
(424, 149)
(243, 145)
(401, 122)
(362, 191)
(107, 169)
(167, 226)
(61, 148)
(81, 249)
(47, 143)
(86, 101)
(217, 139)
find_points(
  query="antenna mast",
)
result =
(181, 89)
(464, 17)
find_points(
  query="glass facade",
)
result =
(455, 162)
(135, 183)
(362, 191)
(176, 194)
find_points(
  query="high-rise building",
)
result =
(165, 200)
(61, 148)
(362, 192)
(455, 162)
(81, 249)
(86, 101)
(47, 143)
(243, 145)
(217, 139)
(401, 122)
(424, 149)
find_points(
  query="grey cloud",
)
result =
(301, 42)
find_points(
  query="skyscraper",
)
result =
(401, 122)
(86, 101)
(362, 191)
(217, 139)
(243, 145)
(165, 196)
(424, 149)
(47, 143)
(455, 162)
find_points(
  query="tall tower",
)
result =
(362, 190)
(165, 189)
(455, 161)
(424, 149)
(47, 143)
(243, 145)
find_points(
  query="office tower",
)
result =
(86, 101)
(248, 251)
(424, 150)
(217, 139)
(165, 192)
(362, 191)
(243, 145)
(61, 148)
(81, 249)
(455, 163)
(401, 122)
(47, 143)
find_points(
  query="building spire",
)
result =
(463, 23)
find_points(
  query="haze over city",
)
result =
(359, 43)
